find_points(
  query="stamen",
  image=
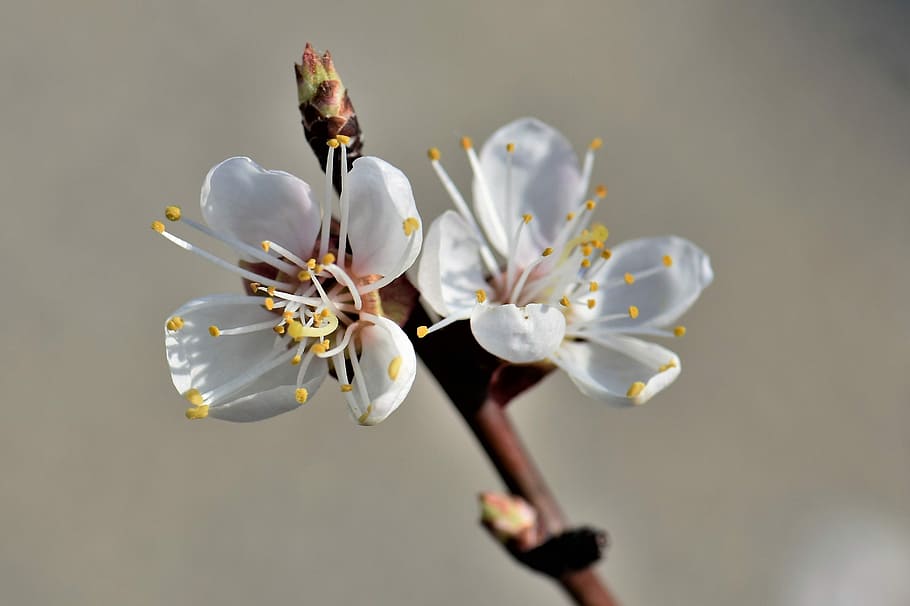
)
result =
(301, 395)
(242, 248)
(214, 331)
(172, 213)
(281, 250)
(346, 387)
(590, 204)
(547, 252)
(596, 143)
(591, 303)
(601, 191)
(394, 368)
(197, 412)
(481, 295)
(586, 263)
(249, 375)
(410, 225)
(249, 275)
(327, 206)
(633, 312)
(462, 207)
(422, 331)
(593, 286)
(485, 198)
(526, 273)
(342, 276)
(629, 278)
(636, 388)
(466, 143)
(605, 254)
(158, 226)
(269, 303)
(679, 331)
(511, 266)
(360, 382)
(366, 414)
(668, 260)
(667, 366)
(564, 301)
(343, 139)
(174, 324)
(345, 203)
(433, 154)
(345, 339)
(193, 397)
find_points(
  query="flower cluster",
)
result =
(314, 305)
(533, 273)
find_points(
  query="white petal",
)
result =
(381, 200)
(605, 370)
(264, 404)
(545, 182)
(200, 361)
(518, 334)
(243, 200)
(661, 297)
(450, 270)
(388, 365)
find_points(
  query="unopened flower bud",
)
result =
(326, 108)
(510, 519)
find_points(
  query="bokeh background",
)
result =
(775, 471)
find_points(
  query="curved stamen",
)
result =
(242, 330)
(386, 280)
(342, 276)
(345, 339)
(511, 264)
(297, 261)
(359, 381)
(485, 199)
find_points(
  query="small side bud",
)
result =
(510, 519)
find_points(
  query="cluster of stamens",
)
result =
(564, 279)
(319, 305)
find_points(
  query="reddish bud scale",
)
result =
(326, 109)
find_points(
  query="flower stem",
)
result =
(447, 355)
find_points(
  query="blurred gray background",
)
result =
(775, 471)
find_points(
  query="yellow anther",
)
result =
(546, 252)
(590, 204)
(597, 243)
(279, 329)
(433, 154)
(527, 218)
(668, 260)
(586, 263)
(288, 316)
(266, 245)
(570, 216)
(596, 143)
(591, 303)
(311, 263)
(174, 323)
(295, 330)
(564, 301)
(593, 286)
(633, 312)
(410, 225)
(318, 269)
(422, 331)
(327, 344)
(158, 226)
(394, 367)
(366, 415)
(343, 139)
(271, 291)
(197, 412)
(296, 360)
(629, 278)
(679, 331)
(301, 394)
(600, 191)
(269, 303)
(324, 313)
(667, 366)
(328, 259)
(466, 143)
(254, 286)
(587, 249)
(635, 388)
(510, 148)
(319, 348)
(172, 213)
(303, 275)
(193, 397)
(481, 295)
(346, 387)
(214, 331)
(332, 143)
(606, 254)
